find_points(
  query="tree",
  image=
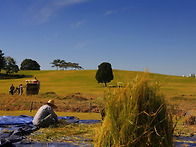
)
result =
(56, 63)
(2, 60)
(65, 65)
(10, 65)
(104, 73)
(76, 66)
(79, 67)
(29, 64)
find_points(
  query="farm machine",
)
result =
(32, 87)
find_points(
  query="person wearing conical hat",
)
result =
(46, 116)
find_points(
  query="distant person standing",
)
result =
(20, 89)
(45, 115)
(12, 89)
(35, 80)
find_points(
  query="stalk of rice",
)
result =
(135, 116)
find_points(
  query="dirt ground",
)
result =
(74, 102)
(182, 107)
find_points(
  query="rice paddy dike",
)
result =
(77, 91)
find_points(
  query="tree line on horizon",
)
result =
(104, 73)
(61, 64)
(9, 64)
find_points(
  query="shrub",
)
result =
(135, 116)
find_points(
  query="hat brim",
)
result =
(52, 105)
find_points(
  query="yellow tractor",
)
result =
(32, 87)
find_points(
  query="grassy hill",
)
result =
(64, 82)
(74, 90)
(177, 89)
(83, 81)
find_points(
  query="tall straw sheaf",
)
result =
(136, 115)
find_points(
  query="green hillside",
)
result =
(180, 92)
(83, 81)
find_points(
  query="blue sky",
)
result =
(130, 34)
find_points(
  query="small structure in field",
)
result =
(120, 84)
(32, 87)
(192, 75)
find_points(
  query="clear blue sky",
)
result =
(130, 34)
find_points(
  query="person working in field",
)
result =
(46, 116)
(20, 89)
(12, 89)
(35, 80)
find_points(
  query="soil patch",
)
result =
(75, 96)
(75, 102)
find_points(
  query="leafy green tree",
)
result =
(63, 64)
(56, 63)
(76, 66)
(79, 67)
(29, 64)
(10, 65)
(104, 73)
(2, 60)
(69, 65)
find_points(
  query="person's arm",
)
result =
(51, 111)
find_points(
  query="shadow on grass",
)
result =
(14, 76)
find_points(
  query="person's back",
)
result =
(44, 116)
(20, 89)
(12, 89)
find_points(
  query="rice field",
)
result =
(179, 93)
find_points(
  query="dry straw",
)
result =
(136, 115)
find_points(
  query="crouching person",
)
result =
(46, 116)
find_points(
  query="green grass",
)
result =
(179, 91)
(84, 82)
(64, 82)
(85, 116)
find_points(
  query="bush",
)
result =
(135, 116)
